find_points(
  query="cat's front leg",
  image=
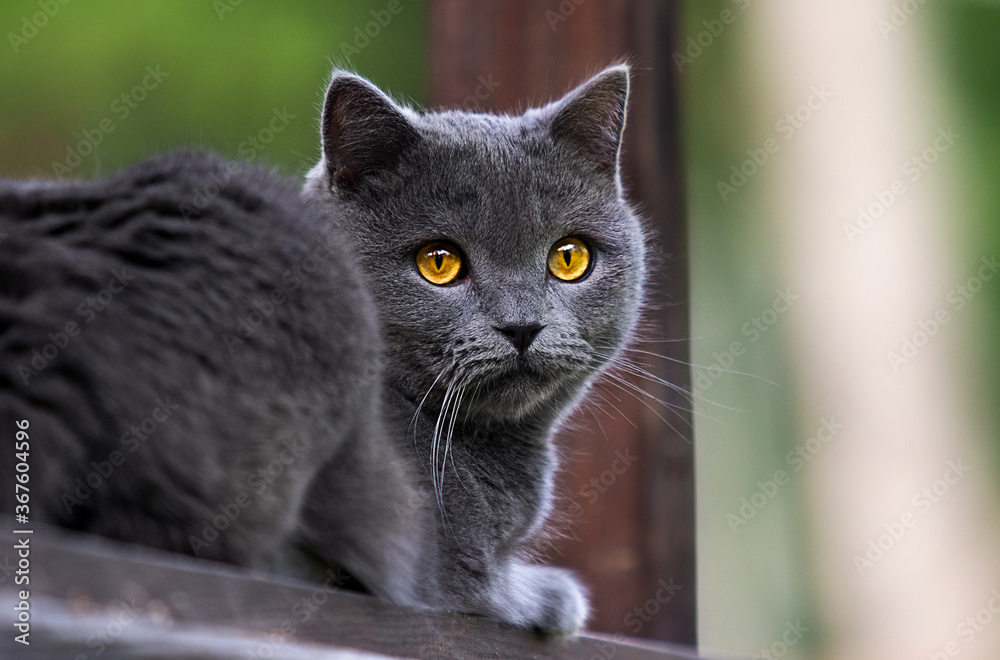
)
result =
(546, 599)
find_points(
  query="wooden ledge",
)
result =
(99, 598)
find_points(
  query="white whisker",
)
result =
(624, 416)
(698, 366)
(635, 391)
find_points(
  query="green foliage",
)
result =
(230, 67)
(968, 33)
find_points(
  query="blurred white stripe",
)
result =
(902, 425)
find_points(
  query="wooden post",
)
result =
(630, 533)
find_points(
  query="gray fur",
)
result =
(418, 438)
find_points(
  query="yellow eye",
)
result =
(569, 259)
(439, 263)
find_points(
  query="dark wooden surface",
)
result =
(637, 528)
(89, 594)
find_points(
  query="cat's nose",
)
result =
(520, 335)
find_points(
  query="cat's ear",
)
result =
(364, 132)
(591, 118)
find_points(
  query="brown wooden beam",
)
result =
(90, 596)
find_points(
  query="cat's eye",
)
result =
(439, 262)
(569, 259)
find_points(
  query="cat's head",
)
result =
(503, 257)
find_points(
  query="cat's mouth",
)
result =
(517, 385)
(538, 369)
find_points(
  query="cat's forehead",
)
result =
(459, 126)
(500, 182)
(478, 139)
(510, 159)
(488, 160)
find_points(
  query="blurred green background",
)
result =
(756, 578)
(230, 66)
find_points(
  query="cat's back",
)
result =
(163, 212)
(182, 246)
(164, 331)
(180, 197)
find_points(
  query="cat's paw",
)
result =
(564, 604)
(547, 600)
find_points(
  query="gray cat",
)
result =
(365, 375)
